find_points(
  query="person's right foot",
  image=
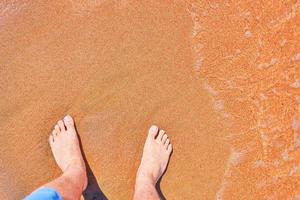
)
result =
(155, 158)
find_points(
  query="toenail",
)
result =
(153, 128)
(67, 118)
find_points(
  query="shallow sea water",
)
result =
(247, 53)
(221, 77)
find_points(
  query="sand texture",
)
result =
(221, 77)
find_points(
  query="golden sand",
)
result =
(221, 77)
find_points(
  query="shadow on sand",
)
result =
(92, 191)
(161, 195)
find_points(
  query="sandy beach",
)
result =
(221, 77)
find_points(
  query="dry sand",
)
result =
(221, 77)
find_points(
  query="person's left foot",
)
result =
(66, 149)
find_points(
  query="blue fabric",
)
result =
(44, 194)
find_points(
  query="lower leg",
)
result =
(155, 158)
(145, 190)
(70, 184)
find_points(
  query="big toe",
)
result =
(69, 122)
(152, 131)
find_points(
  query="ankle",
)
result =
(144, 186)
(76, 178)
(144, 181)
(77, 174)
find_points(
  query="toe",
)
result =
(167, 143)
(160, 135)
(54, 133)
(170, 148)
(51, 139)
(56, 130)
(69, 122)
(152, 131)
(61, 125)
(164, 138)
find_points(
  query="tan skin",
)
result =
(73, 181)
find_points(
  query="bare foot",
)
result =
(66, 150)
(155, 158)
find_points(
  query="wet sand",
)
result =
(222, 78)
